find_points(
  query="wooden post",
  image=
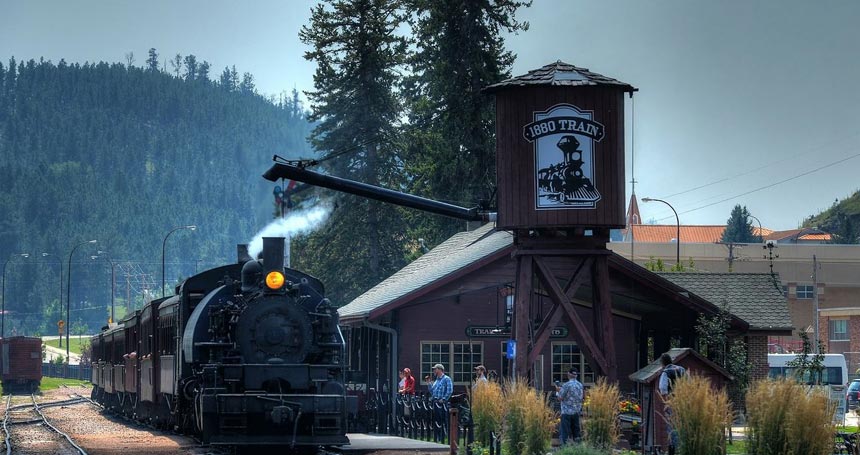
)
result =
(522, 319)
(453, 428)
(604, 329)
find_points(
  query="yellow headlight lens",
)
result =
(275, 280)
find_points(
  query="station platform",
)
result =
(364, 443)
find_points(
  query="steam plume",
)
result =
(296, 223)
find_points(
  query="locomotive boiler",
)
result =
(244, 354)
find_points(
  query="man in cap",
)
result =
(570, 397)
(440, 391)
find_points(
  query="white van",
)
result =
(835, 368)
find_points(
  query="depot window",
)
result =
(457, 357)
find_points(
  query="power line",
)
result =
(802, 174)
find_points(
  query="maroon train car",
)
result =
(21, 363)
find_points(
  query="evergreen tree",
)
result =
(176, 63)
(247, 85)
(226, 80)
(460, 50)
(844, 231)
(358, 55)
(203, 72)
(739, 228)
(152, 60)
(191, 67)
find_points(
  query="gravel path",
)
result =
(102, 434)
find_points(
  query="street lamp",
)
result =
(69, 292)
(678, 236)
(760, 230)
(3, 295)
(164, 246)
(103, 255)
(60, 276)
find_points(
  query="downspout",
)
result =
(393, 385)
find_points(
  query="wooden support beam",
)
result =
(604, 329)
(552, 319)
(580, 333)
(582, 272)
(522, 318)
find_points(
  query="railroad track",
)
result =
(27, 431)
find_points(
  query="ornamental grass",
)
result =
(601, 426)
(528, 421)
(700, 415)
(788, 418)
(488, 409)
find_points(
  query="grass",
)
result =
(737, 447)
(601, 426)
(56, 383)
(700, 415)
(74, 343)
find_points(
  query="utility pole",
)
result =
(815, 302)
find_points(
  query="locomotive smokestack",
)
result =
(273, 254)
(242, 255)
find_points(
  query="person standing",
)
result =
(480, 375)
(441, 389)
(570, 396)
(668, 376)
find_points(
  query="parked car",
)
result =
(852, 394)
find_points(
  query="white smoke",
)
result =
(296, 223)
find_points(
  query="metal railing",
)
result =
(81, 372)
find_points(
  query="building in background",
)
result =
(803, 259)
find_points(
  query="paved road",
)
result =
(51, 353)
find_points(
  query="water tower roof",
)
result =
(560, 74)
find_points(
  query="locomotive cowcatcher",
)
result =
(243, 354)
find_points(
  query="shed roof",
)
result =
(754, 297)
(665, 233)
(559, 74)
(460, 252)
(650, 372)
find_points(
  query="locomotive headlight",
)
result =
(275, 280)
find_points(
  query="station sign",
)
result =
(489, 331)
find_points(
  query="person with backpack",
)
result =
(668, 376)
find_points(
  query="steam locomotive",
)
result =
(244, 354)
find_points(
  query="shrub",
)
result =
(488, 407)
(787, 418)
(601, 426)
(700, 415)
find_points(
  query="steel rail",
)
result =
(5, 428)
(39, 411)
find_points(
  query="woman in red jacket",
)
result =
(408, 387)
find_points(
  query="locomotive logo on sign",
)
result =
(564, 138)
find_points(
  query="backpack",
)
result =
(673, 372)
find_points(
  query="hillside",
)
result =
(122, 155)
(842, 219)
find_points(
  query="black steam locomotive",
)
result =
(243, 354)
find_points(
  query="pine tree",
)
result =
(225, 81)
(203, 72)
(739, 228)
(358, 55)
(152, 60)
(460, 50)
(191, 67)
(247, 85)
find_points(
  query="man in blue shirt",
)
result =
(570, 397)
(440, 391)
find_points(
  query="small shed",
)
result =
(654, 429)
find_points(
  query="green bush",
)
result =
(488, 407)
(528, 420)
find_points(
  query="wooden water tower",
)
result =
(560, 168)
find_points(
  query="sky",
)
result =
(740, 102)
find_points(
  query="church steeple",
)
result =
(633, 216)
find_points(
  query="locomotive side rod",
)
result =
(286, 171)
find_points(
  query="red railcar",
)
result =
(21, 363)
